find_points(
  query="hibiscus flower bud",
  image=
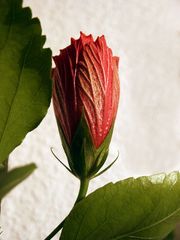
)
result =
(85, 98)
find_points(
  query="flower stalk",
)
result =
(84, 183)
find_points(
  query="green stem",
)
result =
(55, 231)
(84, 183)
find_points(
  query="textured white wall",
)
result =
(146, 35)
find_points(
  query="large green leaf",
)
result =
(25, 85)
(142, 208)
(14, 177)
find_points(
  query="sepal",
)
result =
(85, 160)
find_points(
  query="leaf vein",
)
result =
(17, 88)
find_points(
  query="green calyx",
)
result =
(85, 160)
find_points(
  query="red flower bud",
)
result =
(86, 83)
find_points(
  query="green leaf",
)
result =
(25, 84)
(14, 177)
(142, 208)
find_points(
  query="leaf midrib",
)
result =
(142, 229)
(17, 88)
(147, 227)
